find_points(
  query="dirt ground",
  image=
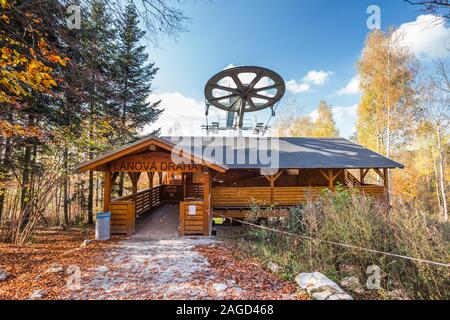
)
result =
(136, 268)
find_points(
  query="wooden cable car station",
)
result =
(202, 187)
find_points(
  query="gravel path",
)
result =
(156, 264)
(156, 269)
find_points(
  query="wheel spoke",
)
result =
(251, 104)
(237, 81)
(223, 88)
(274, 86)
(224, 97)
(256, 80)
(233, 104)
(260, 96)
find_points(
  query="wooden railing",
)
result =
(224, 197)
(350, 180)
(145, 199)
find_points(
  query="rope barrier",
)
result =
(441, 264)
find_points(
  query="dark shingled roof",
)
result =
(308, 153)
(294, 153)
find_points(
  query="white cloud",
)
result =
(351, 88)
(178, 109)
(318, 78)
(295, 87)
(231, 65)
(345, 118)
(428, 37)
(313, 77)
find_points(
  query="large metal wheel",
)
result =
(244, 89)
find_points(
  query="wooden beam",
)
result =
(330, 179)
(150, 176)
(363, 173)
(272, 180)
(336, 175)
(386, 178)
(278, 174)
(378, 171)
(324, 174)
(207, 215)
(160, 178)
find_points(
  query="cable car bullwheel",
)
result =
(244, 89)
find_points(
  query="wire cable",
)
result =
(441, 264)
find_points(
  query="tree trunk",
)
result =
(25, 190)
(442, 177)
(66, 188)
(436, 179)
(90, 204)
(5, 173)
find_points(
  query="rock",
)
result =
(320, 287)
(85, 243)
(340, 296)
(38, 294)
(273, 267)
(398, 294)
(220, 286)
(4, 275)
(353, 284)
(323, 295)
(55, 269)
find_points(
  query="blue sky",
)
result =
(313, 45)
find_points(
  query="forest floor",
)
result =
(136, 268)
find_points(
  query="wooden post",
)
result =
(330, 179)
(183, 181)
(272, 189)
(150, 179)
(386, 184)
(106, 190)
(207, 204)
(134, 177)
(272, 180)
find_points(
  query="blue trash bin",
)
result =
(102, 225)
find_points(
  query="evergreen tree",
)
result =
(99, 48)
(134, 78)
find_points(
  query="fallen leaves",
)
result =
(256, 281)
(28, 264)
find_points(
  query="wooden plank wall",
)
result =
(235, 196)
(122, 217)
(192, 224)
(284, 196)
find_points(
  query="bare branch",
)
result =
(440, 8)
